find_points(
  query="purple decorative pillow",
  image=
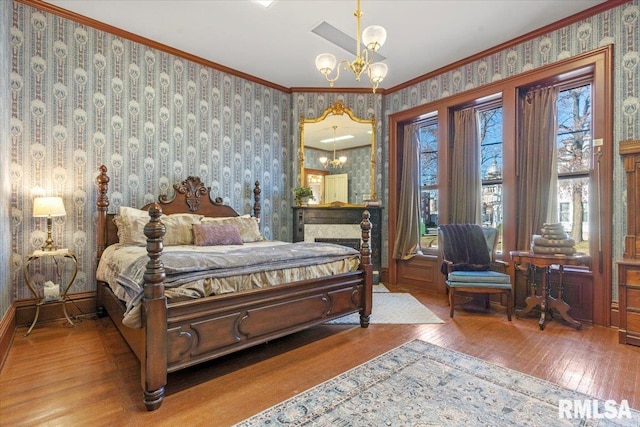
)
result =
(216, 234)
(247, 226)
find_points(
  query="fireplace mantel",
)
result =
(335, 222)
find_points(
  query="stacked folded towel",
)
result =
(553, 240)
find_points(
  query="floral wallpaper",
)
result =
(82, 97)
(5, 190)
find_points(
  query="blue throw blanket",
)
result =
(466, 247)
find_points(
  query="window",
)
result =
(574, 161)
(585, 153)
(428, 135)
(490, 132)
(564, 212)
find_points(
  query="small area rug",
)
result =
(421, 384)
(379, 287)
(392, 308)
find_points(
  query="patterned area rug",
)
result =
(392, 308)
(421, 384)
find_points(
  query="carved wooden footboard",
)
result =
(176, 335)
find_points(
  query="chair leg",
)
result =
(452, 293)
(487, 301)
(509, 304)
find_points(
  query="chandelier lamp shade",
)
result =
(336, 162)
(48, 207)
(373, 38)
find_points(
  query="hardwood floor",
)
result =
(88, 376)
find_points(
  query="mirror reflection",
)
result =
(337, 157)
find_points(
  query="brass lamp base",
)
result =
(49, 246)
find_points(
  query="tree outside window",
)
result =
(429, 184)
(574, 147)
(563, 212)
(490, 133)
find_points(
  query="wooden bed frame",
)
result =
(176, 335)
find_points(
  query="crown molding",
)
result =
(609, 4)
(81, 19)
(48, 7)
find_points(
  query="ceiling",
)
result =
(276, 44)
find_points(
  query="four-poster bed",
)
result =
(177, 333)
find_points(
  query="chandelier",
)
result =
(373, 38)
(336, 162)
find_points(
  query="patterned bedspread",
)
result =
(200, 271)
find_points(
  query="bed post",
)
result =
(154, 315)
(102, 205)
(256, 199)
(367, 267)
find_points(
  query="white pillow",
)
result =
(126, 221)
(131, 222)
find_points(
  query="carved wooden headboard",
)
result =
(191, 196)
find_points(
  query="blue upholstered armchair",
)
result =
(469, 264)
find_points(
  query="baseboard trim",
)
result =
(384, 275)
(615, 314)
(7, 332)
(21, 312)
(78, 304)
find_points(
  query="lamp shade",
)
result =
(378, 71)
(325, 63)
(374, 37)
(48, 206)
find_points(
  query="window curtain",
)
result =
(466, 182)
(537, 164)
(408, 225)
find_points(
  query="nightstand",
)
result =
(60, 257)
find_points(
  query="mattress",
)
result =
(202, 271)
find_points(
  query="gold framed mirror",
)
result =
(336, 149)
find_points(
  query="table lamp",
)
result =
(48, 207)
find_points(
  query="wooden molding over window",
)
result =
(629, 146)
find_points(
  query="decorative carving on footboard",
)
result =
(207, 334)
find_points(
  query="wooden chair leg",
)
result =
(509, 304)
(452, 293)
